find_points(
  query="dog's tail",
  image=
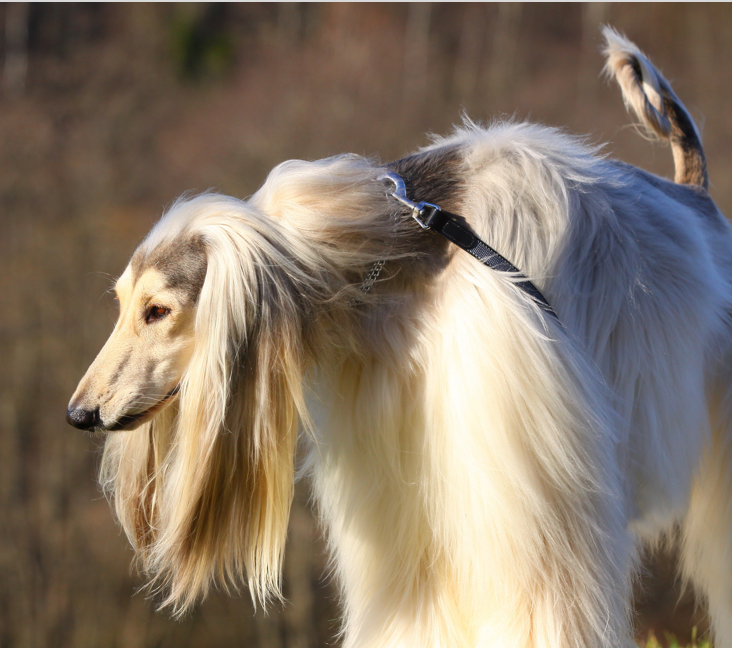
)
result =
(661, 113)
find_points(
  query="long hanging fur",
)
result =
(484, 473)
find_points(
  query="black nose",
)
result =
(83, 419)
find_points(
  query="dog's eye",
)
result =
(155, 314)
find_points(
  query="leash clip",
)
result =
(400, 193)
(430, 216)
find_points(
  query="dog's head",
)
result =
(139, 370)
(200, 384)
(198, 389)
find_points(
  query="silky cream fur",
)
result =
(485, 473)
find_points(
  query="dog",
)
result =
(485, 467)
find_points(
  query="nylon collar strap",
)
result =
(431, 217)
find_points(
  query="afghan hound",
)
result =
(485, 463)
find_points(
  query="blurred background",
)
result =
(109, 112)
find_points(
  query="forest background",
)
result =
(108, 112)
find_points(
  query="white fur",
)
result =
(485, 474)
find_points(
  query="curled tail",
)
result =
(661, 113)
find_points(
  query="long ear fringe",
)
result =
(204, 492)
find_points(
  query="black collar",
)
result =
(431, 217)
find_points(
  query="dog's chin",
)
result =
(133, 421)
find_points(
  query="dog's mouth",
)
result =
(131, 421)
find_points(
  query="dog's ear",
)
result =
(230, 482)
(232, 485)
